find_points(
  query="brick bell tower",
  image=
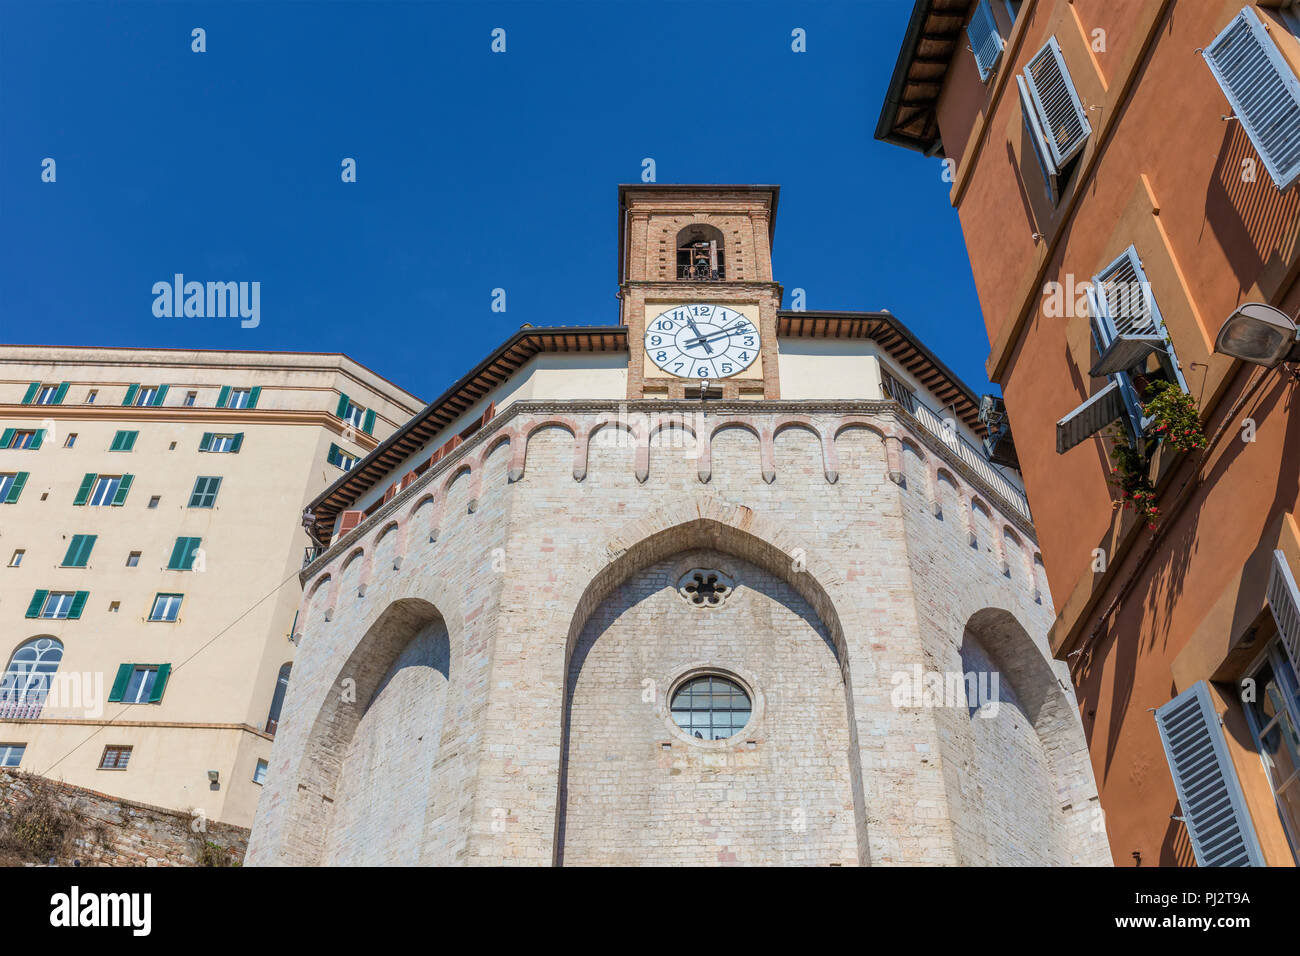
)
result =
(696, 290)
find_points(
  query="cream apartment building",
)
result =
(151, 535)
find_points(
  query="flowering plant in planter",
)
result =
(1130, 475)
(1175, 421)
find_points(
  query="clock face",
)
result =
(701, 341)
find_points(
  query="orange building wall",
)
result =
(1162, 171)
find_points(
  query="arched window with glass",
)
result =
(28, 678)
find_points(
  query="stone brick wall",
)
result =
(542, 546)
(637, 790)
(107, 831)
(389, 768)
(1020, 783)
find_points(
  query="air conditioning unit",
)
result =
(999, 446)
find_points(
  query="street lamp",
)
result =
(1259, 334)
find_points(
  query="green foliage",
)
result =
(40, 828)
(208, 853)
(1176, 422)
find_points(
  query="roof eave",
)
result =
(464, 382)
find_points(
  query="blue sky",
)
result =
(475, 170)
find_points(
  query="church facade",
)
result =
(720, 584)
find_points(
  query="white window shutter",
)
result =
(1126, 296)
(1262, 90)
(985, 40)
(1284, 602)
(1103, 335)
(1060, 113)
(1218, 823)
(1038, 139)
(1090, 417)
(1128, 324)
(1127, 320)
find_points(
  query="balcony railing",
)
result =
(23, 709)
(700, 273)
(897, 391)
(311, 554)
(946, 432)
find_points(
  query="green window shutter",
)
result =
(119, 499)
(130, 394)
(79, 551)
(206, 442)
(238, 443)
(117, 441)
(160, 395)
(128, 440)
(334, 457)
(83, 493)
(61, 393)
(78, 605)
(160, 683)
(175, 562)
(368, 425)
(37, 439)
(342, 410)
(6, 437)
(30, 394)
(223, 397)
(124, 672)
(38, 602)
(253, 395)
(182, 558)
(16, 488)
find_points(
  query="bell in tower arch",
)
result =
(699, 253)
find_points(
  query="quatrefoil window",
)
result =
(704, 587)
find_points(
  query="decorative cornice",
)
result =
(888, 410)
(172, 724)
(184, 413)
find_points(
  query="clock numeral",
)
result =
(656, 340)
(661, 356)
(749, 340)
(726, 368)
(678, 366)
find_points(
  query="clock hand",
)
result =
(699, 335)
(725, 333)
